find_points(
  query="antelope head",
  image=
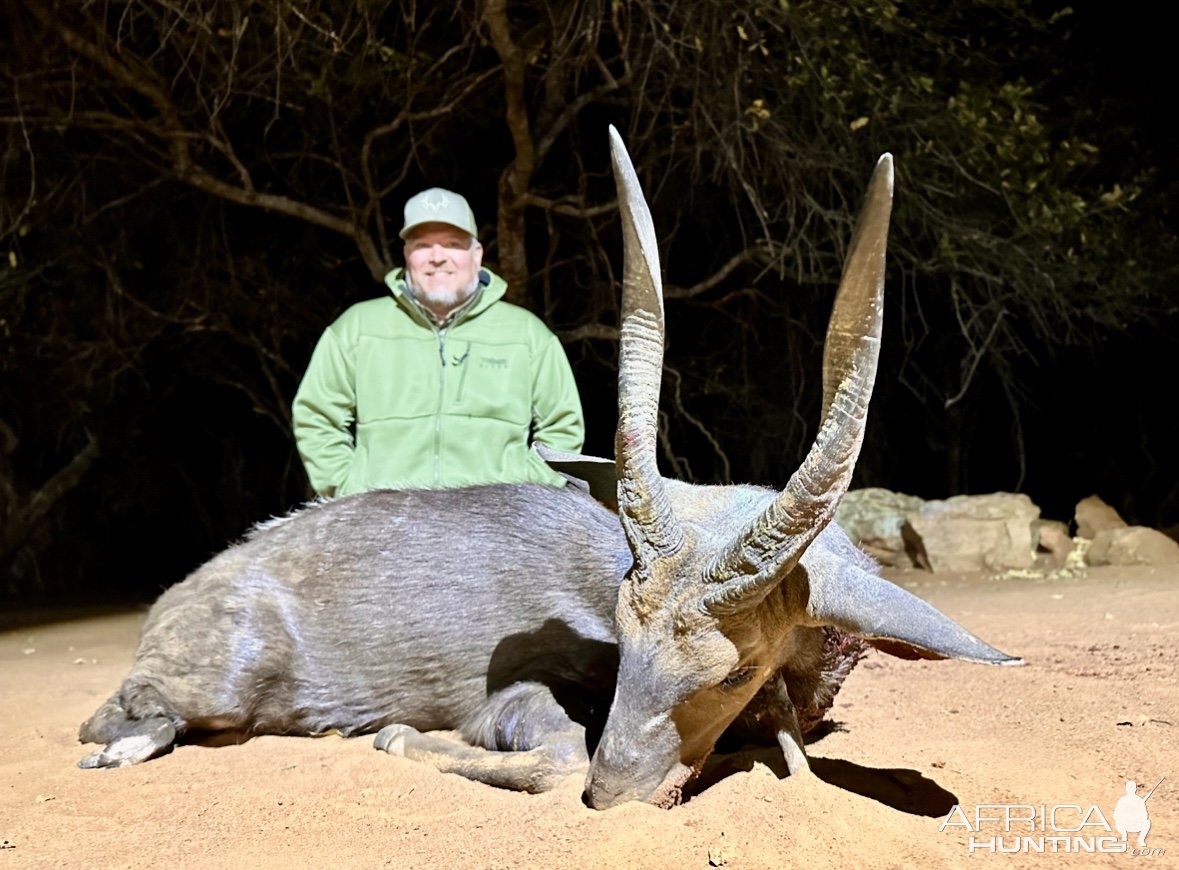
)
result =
(737, 591)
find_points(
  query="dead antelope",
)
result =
(704, 608)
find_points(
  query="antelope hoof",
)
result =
(122, 752)
(392, 739)
(144, 740)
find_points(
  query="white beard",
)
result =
(447, 298)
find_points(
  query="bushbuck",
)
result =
(642, 620)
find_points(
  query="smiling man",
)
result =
(441, 383)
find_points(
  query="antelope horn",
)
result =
(650, 526)
(774, 542)
(892, 619)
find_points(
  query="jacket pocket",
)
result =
(494, 382)
(463, 363)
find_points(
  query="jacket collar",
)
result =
(491, 289)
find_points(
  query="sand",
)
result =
(1097, 704)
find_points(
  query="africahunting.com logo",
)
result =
(1012, 828)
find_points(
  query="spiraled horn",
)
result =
(642, 497)
(773, 543)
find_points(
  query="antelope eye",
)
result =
(738, 677)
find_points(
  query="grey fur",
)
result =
(384, 607)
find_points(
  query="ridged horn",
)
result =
(773, 543)
(642, 496)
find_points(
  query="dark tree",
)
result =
(192, 191)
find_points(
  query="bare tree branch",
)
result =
(516, 176)
(24, 520)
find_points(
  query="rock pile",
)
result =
(999, 531)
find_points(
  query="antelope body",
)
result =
(530, 619)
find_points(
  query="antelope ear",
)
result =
(591, 473)
(892, 619)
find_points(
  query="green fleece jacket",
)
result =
(393, 399)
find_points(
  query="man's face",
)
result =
(442, 264)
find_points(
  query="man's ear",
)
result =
(477, 253)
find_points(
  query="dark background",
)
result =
(166, 319)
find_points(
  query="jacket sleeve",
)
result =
(323, 412)
(556, 405)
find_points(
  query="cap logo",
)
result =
(436, 204)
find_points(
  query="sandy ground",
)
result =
(1097, 704)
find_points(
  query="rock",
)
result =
(873, 517)
(1052, 541)
(1093, 515)
(973, 533)
(1132, 545)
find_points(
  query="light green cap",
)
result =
(437, 205)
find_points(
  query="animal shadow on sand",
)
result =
(903, 789)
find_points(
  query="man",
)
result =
(439, 384)
(1130, 815)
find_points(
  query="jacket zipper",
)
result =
(438, 411)
(440, 331)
